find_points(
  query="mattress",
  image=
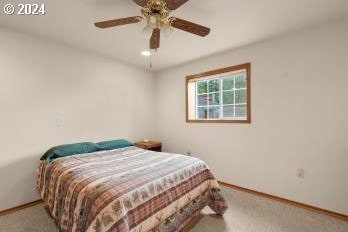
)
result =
(128, 189)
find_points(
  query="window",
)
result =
(221, 95)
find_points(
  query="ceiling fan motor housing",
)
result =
(157, 9)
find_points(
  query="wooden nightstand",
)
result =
(151, 145)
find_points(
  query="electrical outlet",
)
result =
(300, 173)
(60, 120)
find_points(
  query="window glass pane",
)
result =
(228, 111)
(228, 97)
(228, 83)
(240, 96)
(202, 112)
(202, 100)
(241, 111)
(221, 96)
(202, 87)
(240, 80)
(214, 85)
(214, 112)
(214, 99)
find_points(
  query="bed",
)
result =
(127, 189)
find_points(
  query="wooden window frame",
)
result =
(245, 66)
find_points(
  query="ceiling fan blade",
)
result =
(141, 3)
(190, 27)
(175, 4)
(155, 39)
(118, 22)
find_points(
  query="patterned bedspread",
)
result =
(127, 189)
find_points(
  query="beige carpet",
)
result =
(246, 213)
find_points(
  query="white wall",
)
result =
(299, 118)
(100, 99)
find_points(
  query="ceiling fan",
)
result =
(156, 14)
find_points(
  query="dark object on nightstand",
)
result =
(150, 145)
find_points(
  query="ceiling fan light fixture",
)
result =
(167, 30)
(147, 31)
(152, 22)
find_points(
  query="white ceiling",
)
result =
(234, 23)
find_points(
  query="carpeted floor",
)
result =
(246, 213)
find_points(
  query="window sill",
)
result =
(220, 121)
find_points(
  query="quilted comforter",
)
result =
(128, 189)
